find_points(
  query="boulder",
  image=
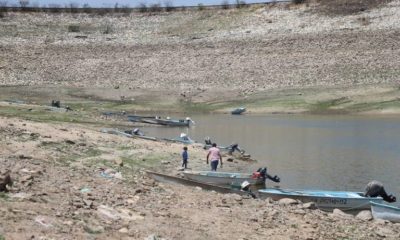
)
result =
(340, 214)
(365, 215)
(5, 181)
(309, 205)
(287, 201)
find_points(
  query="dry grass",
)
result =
(348, 7)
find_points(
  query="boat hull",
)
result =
(324, 200)
(222, 178)
(385, 212)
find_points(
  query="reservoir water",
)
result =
(330, 152)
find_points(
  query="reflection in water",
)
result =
(309, 152)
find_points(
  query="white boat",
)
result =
(324, 200)
(223, 178)
(385, 212)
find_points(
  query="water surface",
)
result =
(309, 152)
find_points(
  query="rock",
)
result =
(5, 181)
(365, 215)
(109, 213)
(380, 222)
(198, 188)
(309, 205)
(119, 162)
(287, 201)
(384, 232)
(123, 230)
(69, 142)
(93, 229)
(339, 213)
(154, 237)
(88, 203)
(22, 156)
(165, 162)
(229, 159)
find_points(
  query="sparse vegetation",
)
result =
(346, 7)
(74, 28)
(200, 7)
(240, 4)
(108, 29)
(156, 7)
(225, 4)
(298, 1)
(142, 7)
(168, 6)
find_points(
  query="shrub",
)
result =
(345, 7)
(200, 7)
(240, 4)
(225, 4)
(125, 9)
(155, 7)
(142, 7)
(298, 1)
(74, 28)
(86, 8)
(168, 6)
(108, 29)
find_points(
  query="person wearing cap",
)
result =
(376, 189)
(215, 156)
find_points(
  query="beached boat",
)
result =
(174, 122)
(238, 111)
(324, 200)
(223, 178)
(127, 134)
(161, 121)
(183, 138)
(385, 212)
(172, 179)
(139, 118)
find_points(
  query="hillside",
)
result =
(209, 55)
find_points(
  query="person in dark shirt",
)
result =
(376, 189)
(185, 157)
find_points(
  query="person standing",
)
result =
(185, 157)
(215, 156)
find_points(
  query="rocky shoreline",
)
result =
(66, 186)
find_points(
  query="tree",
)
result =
(168, 6)
(225, 4)
(24, 3)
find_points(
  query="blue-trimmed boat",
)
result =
(324, 200)
(385, 212)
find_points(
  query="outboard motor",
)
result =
(264, 174)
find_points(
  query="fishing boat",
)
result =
(223, 178)
(183, 138)
(127, 134)
(238, 111)
(174, 122)
(324, 200)
(385, 212)
(139, 118)
(172, 179)
(161, 121)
